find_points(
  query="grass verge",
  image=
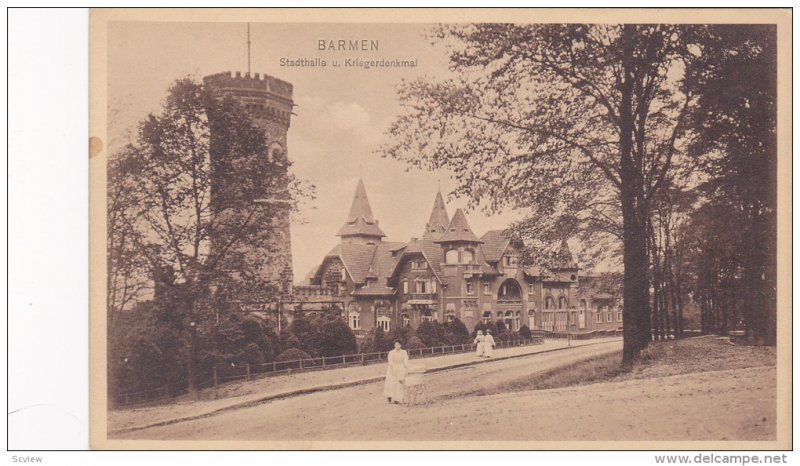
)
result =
(587, 371)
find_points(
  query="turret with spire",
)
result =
(360, 226)
(439, 220)
(459, 231)
(564, 259)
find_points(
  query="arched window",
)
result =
(562, 302)
(583, 304)
(451, 257)
(384, 322)
(406, 320)
(549, 303)
(531, 318)
(487, 317)
(509, 291)
(354, 317)
(466, 256)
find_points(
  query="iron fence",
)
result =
(237, 372)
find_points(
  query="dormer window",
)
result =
(510, 261)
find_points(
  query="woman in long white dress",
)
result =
(396, 374)
(488, 344)
(479, 344)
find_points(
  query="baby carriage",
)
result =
(414, 385)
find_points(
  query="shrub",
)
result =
(479, 326)
(509, 335)
(378, 338)
(403, 334)
(307, 334)
(457, 332)
(292, 354)
(336, 338)
(415, 343)
(432, 333)
(498, 328)
(525, 332)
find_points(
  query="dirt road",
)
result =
(736, 404)
(275, 420)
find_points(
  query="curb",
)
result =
(324, 388)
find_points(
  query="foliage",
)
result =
(509, 335)
(292, 354)
(335, 338)
(735, 144)
(525, 332)
(582, 127)
(415, 343)
(398, 333)
(189, 177)
(480, 326)
(432, 333)
(456, 332)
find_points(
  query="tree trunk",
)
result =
(635, 310)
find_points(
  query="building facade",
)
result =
(449, 273)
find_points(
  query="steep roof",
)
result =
(564, 259)
(364, 261)
(494, 243)
(360, 222)
(459, 230)
(439, 220)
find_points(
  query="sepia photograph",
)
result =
(440, 229)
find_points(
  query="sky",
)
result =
(340, 122)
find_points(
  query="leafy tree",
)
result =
(735, 144)
(525, 332)
(172, 213)
(578, 124)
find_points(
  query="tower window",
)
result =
(451, 257)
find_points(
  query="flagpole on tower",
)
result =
(248, 48)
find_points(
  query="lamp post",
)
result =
(191, 388)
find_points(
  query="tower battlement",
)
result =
(256, 81)
(263, 96)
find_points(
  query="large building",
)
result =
(268, 102)
(449, 273)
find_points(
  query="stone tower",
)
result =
(268, 101)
